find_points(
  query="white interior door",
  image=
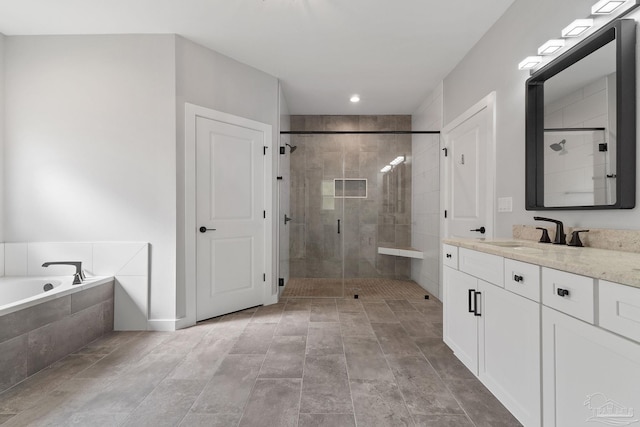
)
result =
(469, 170)
(230, 203)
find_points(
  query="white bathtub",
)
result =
(17, 293)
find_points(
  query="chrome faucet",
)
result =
(78, 277)
(561, 238)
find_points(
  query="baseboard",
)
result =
(271, 299)
(162, 325)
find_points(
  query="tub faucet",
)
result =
(561, 238)
(78, 277)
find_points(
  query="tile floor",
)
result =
(301, 362)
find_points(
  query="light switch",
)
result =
(505, 204)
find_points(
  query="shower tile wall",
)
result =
(383, 218)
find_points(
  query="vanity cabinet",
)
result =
(556, 348)
(589, 374)
(494, 332)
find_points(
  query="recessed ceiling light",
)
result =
(355, 98)
(385, 169)
(529, 62)
(551, 47)
(577, 27)
(604, 7)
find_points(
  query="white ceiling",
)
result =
(392, 53)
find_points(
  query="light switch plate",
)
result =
(505, 204)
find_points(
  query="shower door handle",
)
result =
(338, 226)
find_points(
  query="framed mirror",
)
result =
(581, 125)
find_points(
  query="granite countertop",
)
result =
(615, 266)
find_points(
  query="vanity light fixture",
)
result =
(529, 62)
(397, 161)
(577, 27)
(355, 98)
(605, 7)
(385, 169)
(551, 47)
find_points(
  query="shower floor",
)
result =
(365, 288)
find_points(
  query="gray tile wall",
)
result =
(381, 219)
(34, 338)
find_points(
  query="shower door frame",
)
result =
(344, 178)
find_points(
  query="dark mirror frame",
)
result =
(623, 31)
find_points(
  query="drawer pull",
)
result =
(563, 292)
(476, 304)
(448, 255)
(518, 278)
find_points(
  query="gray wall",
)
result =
(426, 217)
(209, 79)
(382, 219)
(2, 102)
(90, 146)
(492, 66)
(94, 141)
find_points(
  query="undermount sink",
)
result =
(528, 250)
(505, 244)
(516, 246)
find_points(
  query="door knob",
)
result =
(204, 229)
(480, 230)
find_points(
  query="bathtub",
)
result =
(39, 327)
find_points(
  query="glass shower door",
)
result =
(317, 232)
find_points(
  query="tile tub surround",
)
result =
(600, 238)
(128, 262)
(35, 337)
(615, 266)
(305, 370)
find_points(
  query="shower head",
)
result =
(558, 146)
(292, 148)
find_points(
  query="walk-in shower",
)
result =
(356, 187)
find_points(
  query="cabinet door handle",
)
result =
(476, 312)
(338, 226)
(563, 292)
(448, 255)
(518, 278)
(471, 299)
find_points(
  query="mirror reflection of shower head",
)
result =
(292, 148)
(558, 146)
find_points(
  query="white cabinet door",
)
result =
(509, 351)
(460, 325)
(590, 376)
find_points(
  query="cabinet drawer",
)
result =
(450, 256)
(620, 309)
(522, 278)
(569, 293)
(483, 266)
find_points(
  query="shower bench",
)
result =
(406, 252)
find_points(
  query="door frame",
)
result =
(488, 103)
(192, 112)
